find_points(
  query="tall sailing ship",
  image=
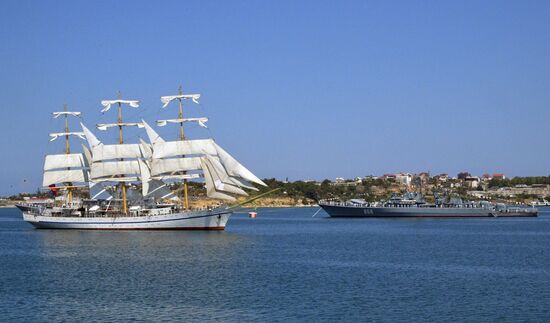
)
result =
(138, 186)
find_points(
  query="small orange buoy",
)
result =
(252, 215)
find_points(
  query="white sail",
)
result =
(220, 174)
(107, 103)
(114, 168)
(105, 126)
(211, 188)
(242, 183)
(56, 135)
(177, 176)
(201, 121)
(98, 191)
(154, 137)
(90, 137)
(169, 98)
(234, 168)
(61, 113)
(119, 151)
(147, 148)
(220, 178)
(187, 147)
(64, 176)
(204, 147)
(63, 161)
(145, 177)
(172, 165)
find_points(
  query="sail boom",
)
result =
(125, 179)
(107, 104)
(178, 176)
(61, 113)
(105, 126)
(201, 121)
(169, 98)
(56, 135)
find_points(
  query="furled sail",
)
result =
(105, 126)
(62, 113)
(56, 135)
(169, 98)
(201, 121)
(107, 104)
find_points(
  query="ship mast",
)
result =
(107, 105)
(67, 151)
(121, 141)
(182, 137)
(180, 97)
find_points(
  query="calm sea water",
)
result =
(282, 266)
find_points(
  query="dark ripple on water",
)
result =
(282, 266)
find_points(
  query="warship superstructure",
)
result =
(414, 205)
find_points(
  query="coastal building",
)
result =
(472, 181)
(499, 176)
(424, 177)
(463, 175)
(404, 178)
(486, 177)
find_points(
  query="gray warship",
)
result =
(414, 205)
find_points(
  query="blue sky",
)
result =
(298, 89)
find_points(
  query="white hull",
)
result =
(215, 219)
